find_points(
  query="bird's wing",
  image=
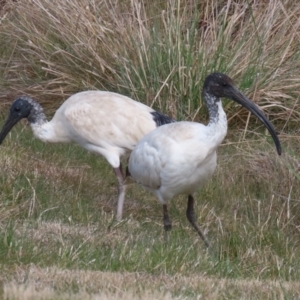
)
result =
(145, 165)
(107, 119)
(165, 152)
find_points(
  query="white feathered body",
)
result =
(177, 158)
(98, 121)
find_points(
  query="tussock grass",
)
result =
(158, 54)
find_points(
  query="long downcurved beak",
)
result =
(8, 125)
(251, 106)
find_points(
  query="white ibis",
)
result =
(179, 158)
(103, 122)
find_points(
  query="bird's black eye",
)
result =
(17, 108)
(224, 84)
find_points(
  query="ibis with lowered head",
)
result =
(102, 122)
(179, 158)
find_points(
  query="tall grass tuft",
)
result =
(158, 54)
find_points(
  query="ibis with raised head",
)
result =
(102, 122)
(178, 158)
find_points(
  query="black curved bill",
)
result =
(247, 103)
(8, 125)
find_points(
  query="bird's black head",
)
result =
(218, 85)
(21, 108)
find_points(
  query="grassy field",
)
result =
(58, 236)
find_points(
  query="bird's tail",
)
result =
(161, 119)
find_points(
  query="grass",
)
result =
(58, 236)
(109, 285)
(57, 225)
(158, 54)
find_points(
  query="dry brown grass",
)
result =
(157, 53)
(275, 178)
(51, 283)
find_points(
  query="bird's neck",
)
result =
(217, 117)
(36, 115)
(38, 122)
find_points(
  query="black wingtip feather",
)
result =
(161, 119)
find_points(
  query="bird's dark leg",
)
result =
(190, 214)
(167, 222)
(127, 173)
(121, 191)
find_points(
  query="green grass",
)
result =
(57, 210)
